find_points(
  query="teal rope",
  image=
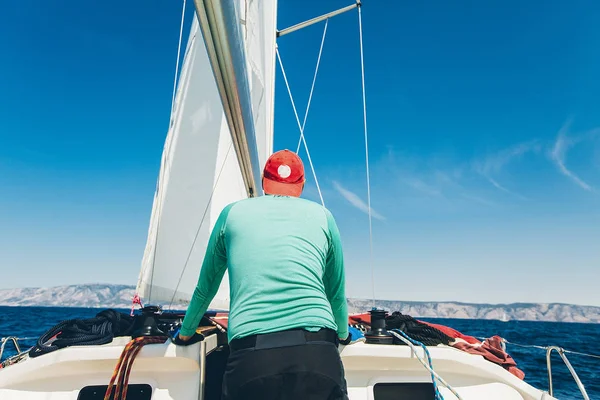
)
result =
(438, 395)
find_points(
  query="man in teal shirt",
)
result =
(287, 287)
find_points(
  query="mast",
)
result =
(219, 23)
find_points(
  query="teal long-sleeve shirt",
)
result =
(286, 268)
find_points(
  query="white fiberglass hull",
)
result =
(181, 373)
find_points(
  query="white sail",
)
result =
(200, 173)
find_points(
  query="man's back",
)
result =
(285, 266)
(288, 309)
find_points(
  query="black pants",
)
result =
(288, 365)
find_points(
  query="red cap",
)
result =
(284, 174)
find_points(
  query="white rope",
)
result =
(299, 125)
(362, 67)
(425, 364)
(178, 55)
(313, 84)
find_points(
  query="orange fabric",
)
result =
(359, 319)
(491, 350)
(221, 319)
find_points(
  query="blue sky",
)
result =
(484, 139)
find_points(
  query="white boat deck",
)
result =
(470, 375)
(178, 373)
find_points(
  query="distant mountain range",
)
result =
(92, 295)
(119, 296)
(555, 312)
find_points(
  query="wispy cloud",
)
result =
(356, 201)
(493, 164)
(416, 174)
(499, 186)
(437, 179)
(559, 152)
(421, 186)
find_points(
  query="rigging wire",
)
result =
(178, 56)
(545, 348)
(362, 67)
(302, 138)
(313, 83)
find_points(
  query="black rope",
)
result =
(416, 330)
(107, 325)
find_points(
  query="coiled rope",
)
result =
(107, 325)
(417, 330)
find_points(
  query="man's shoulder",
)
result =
(268, 201)
(306, 202)
(317, 209)
(308, 205)
(269, 198)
